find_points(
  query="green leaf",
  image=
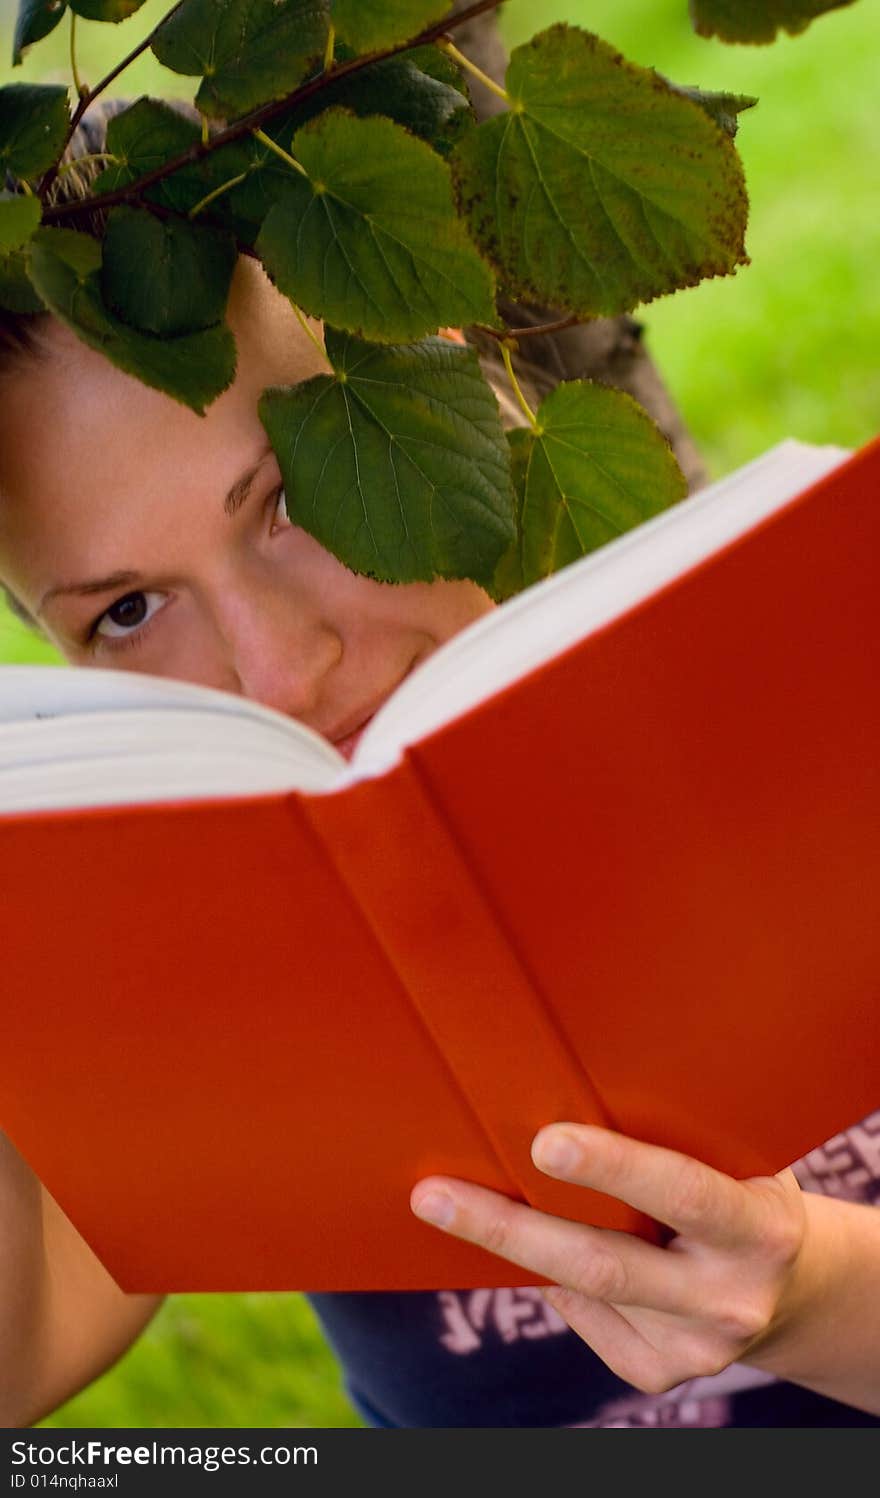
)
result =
(369, 239)
(602, 187)
(36, 18)
(370, 25)
(722, 108)
(597, 466)
(508, 578)
(150, 133)
(265, 179)
(190, 269)
(757, 20)
(398, 463)
(19, 217)
(141, 138)
(426, 106)
(432, 60)
(77, 255)
(65, 267)
(105, 10)
(33, 127)
(16, 292)
(248, 51)
(417, 91)
(427, 103)
(144, 137)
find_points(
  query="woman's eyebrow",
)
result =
(94, 585)
(242, 487)
(231, 504)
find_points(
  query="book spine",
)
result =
(485, 1013)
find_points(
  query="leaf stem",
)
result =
(470, 67)
(250, 122)
(515, 386)
(533, 330)
(77, 81)
(272, 145)
(330, 49)
(69, 166)
(308, 332)
(216, 193)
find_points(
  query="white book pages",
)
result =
(38, 692)
(98, 758)
(118, 750)
(161, 775)
(110, 734)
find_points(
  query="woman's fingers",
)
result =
(691, 1198)
(620, 1345)
(753, 1223)
(611, 1267)
(655, 1315)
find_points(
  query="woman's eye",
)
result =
(281, 516)
(128, 614)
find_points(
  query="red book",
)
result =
(610, 855)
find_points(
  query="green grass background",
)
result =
(790, 346)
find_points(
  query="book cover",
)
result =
(639, 885)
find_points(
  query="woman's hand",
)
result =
(723, 1286)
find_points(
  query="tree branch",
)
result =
(257, 118)
(533, 330)
(89, 97)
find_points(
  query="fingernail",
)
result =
(435, 1207)
(555, 1152)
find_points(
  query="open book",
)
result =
(611, 854)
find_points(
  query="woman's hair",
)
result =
(19, 331)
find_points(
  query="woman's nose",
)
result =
(282, 652)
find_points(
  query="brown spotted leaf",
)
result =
(602, 186)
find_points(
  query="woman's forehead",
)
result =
(72, 417)
(73, 423)
(92, 460)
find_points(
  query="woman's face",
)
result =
(145, 538)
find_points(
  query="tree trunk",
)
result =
(609, 350)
